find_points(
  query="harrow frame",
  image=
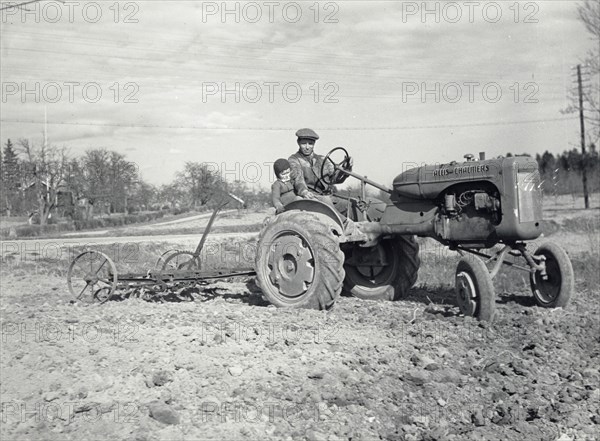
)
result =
(101, 281)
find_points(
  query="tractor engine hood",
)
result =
(428, 181)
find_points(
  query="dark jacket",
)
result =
(282, 193)
(307, 171)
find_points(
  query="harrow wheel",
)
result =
(102, 294)
(92, 273)
(160, 263)
(180, 260)
(474, 289)
(161, 260)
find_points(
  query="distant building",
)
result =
(63, 200)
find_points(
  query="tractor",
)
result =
(306, 256)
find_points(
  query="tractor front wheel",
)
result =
(299, 263)
(390, 276)
(554, 289)
(474, 289)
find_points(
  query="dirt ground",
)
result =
(227, 365)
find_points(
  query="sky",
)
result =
(397, 84)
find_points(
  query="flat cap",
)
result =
(307, 134)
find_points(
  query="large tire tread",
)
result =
(405, 275)
(329, 275)
(409, 268)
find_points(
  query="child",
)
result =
(283, 190)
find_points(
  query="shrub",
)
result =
(38, 230)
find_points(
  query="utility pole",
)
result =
(582, 129)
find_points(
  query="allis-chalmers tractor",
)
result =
(305, 258)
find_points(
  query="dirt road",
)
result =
(66, 241)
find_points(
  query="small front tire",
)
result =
(555, 289)
(474, 289)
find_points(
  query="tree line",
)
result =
(44, 180)
(40, 181)
(562, 174)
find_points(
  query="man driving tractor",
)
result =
(306, 168)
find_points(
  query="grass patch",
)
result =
(438, 267)
(582, 224)
(550, 227)
(586, 267)
(589, 225)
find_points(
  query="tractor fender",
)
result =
(318, 207)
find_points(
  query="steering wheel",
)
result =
(342, 165)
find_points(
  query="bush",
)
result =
(118, 221)
(38, 230)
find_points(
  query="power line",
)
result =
(19, 5)
(191, 127)
(162, 78)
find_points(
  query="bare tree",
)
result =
(143, 196)
(44, 169)
(199, 182)
(123, 181)
(95, 170)
(589, 14)
(110, 178)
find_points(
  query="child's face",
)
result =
(285, 175)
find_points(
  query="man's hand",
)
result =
(309, 195)
(348, 163)
(338, 176)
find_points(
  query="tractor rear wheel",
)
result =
(555, 289)
(474, 289)
(390, 281)
(299, 263)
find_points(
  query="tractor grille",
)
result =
(528, 184)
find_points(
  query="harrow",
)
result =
(94, 275)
